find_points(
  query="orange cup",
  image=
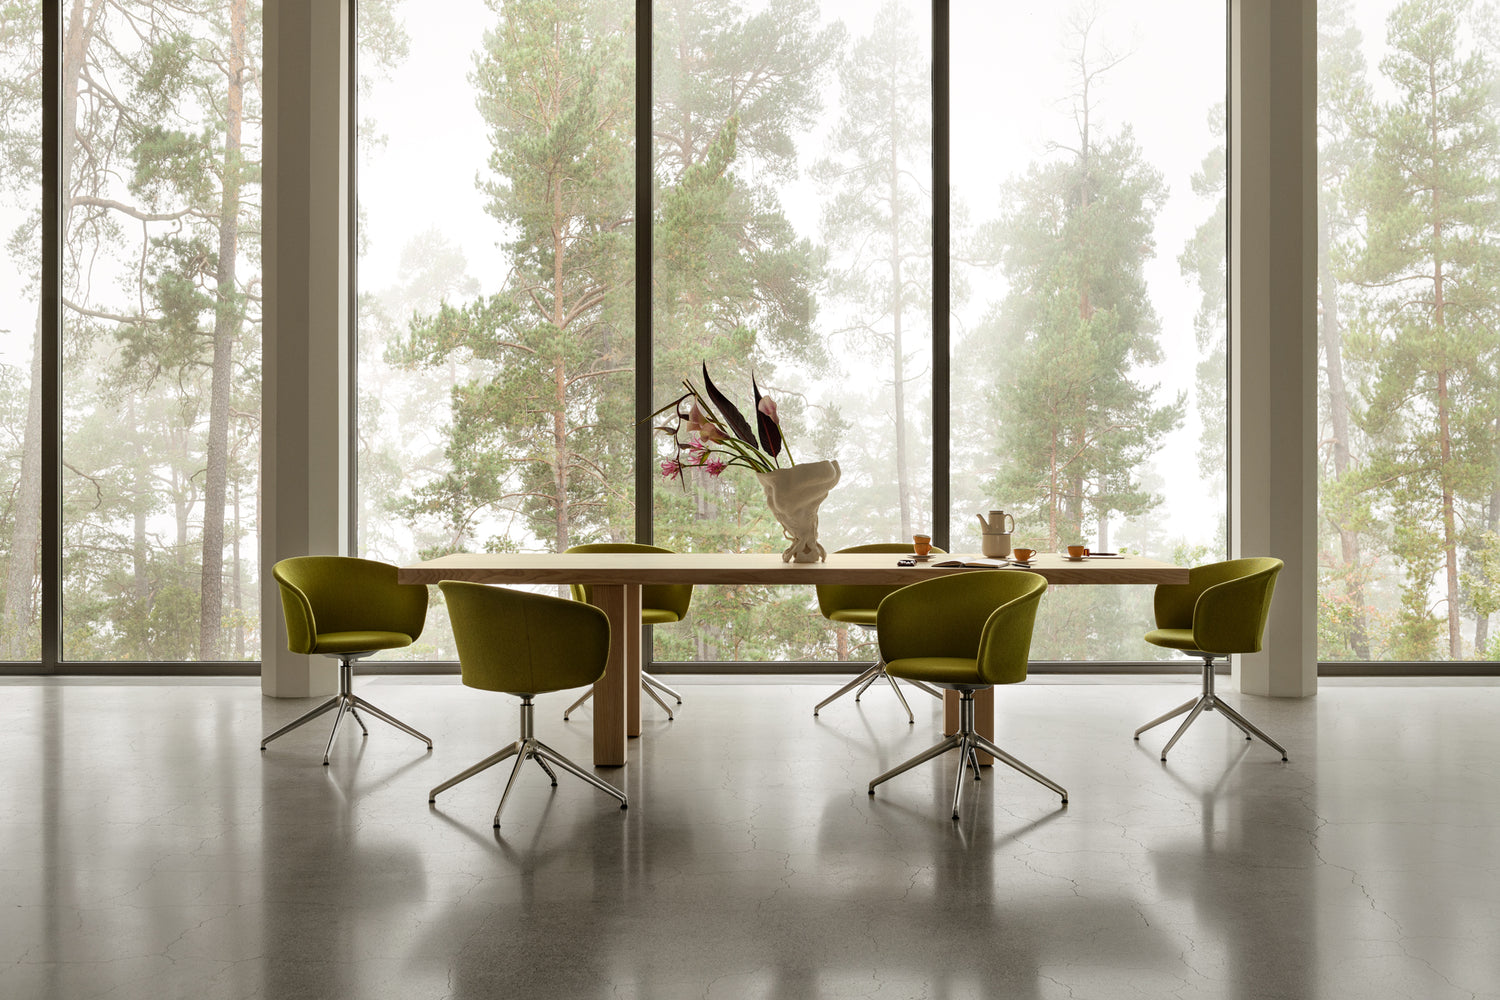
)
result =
(1023, 555)
(922, 544)
(1077, 551)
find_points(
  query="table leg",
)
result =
(984, 717)
(633, 662)
(609, 690)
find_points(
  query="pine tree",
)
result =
(1343, 99)
(1075, 326)
(1426, 338)
(544, 431)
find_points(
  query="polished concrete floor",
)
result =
(148, 849)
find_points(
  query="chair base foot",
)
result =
(649, 684)
(345, 703)
(868, 677)
(526, 748)
(967, 742)
(1208, 702)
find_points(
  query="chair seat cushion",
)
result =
(658, 616)
(854, 616)
(359, 642)
(1173, 638)
(938, 670)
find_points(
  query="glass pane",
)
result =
(1407, 274)
(161, 331)
(1089, 295)
(794, 253)
(496, 323)
(20, 322)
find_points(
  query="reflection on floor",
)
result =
(148, 849)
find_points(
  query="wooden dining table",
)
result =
(616, 579)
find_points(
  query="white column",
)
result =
(1273, 308)
(304, 450)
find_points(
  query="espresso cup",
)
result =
(922, 544)
(995, 544)
(1077, 551)
(1024, 555)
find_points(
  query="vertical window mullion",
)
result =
(941, 276)
(52, 188)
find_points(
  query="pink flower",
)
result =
(715, 467)
(767, 405)
(711, 433)
(670, 468)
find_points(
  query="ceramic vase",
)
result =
(793, 494)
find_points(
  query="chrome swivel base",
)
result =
(1208, 702)
(346, 701)
(528, 747)
(872, 674)
(966, 741)
(649, 684)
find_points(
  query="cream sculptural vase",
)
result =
(793, 494)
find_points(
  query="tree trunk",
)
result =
(226, 332)
(1338, 412)
(898, 362)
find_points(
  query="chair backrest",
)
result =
(984, 615)
(672, 598)
(321, 594)
(859, 596)
(1224, 603)
(524, 643)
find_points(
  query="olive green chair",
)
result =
(1221, 610)
(855, 604)
(525, 644)
(661, 604)
(964, 632)
(347, 608)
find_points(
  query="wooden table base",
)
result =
(617, 695)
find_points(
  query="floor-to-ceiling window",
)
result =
(1089, 298)
(159, 262)
(792, 192)
(20, 333)
(496, 270)
(793, 254)
(1408, 276)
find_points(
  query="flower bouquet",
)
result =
(718, 436)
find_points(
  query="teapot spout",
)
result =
(983, 524)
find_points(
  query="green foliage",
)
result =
(542, 430)
(1424, 340)
(1077, 323)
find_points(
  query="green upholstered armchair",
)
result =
(963, 632)
(347, 608)
(855, 604)
(525, 644)
(1222, 609)
(661, 604)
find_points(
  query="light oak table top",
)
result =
(762, 568)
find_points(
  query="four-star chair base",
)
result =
(1208, 702)
(346, 701)
(966, 741)
(873, 673)
(649, 684)
(528, 747)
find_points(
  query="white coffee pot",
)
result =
(998, 523)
